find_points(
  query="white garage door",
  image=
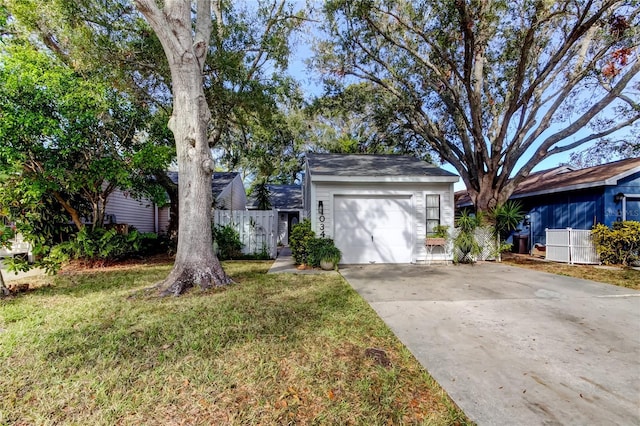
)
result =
(373, 229)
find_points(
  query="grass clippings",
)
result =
(92, 347)
(617, 275)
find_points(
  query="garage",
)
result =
(373, 229)
(375, 206)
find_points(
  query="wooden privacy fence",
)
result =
(571, 246)
(257, 229)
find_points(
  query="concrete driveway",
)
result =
(514, 346)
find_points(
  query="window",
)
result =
(433, 213)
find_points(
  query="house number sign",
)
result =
(321, 220)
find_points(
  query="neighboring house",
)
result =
(228, 193)
(287, 200)
(143, 214)
(565, 197)
(377, 208)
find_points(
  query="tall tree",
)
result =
(185, 35)
(494, 87)
(63, 136)
(216, 56)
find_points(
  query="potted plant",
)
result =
(324, 253)
(439, 236)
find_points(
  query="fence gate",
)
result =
(257, 228)
(571, 246)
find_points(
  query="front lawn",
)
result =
(94, 348)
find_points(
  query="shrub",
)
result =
(226, 242)
(322, 249)
(619, 244)
(299, 239)
(466, 247)
(98, 246)
(507, 216)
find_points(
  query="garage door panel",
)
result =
(373, 229)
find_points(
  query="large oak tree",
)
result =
(185, 35)
(493, 87)
(190, 32)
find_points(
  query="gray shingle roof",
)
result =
(283, 197)
(372, 165)
(218, 183)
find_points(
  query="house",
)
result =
(287, 201)
(142, 214)
(566, 197)
(377, 208)
(228, 193)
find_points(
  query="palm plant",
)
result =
(466, 247)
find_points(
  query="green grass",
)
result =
(95, 348)
(620, 276)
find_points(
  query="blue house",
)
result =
(565, 197)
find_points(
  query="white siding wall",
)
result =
(138, 213)
(233, 196)
(325, 192)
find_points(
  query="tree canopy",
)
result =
(69, 138)
(493, 87)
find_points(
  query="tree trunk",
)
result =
(75, 216)
(4, 291)
(172, 191)
(195, 263)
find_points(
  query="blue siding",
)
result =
(613, 210)
(575, 209)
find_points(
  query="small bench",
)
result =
(431, 243)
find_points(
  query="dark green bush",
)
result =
(99, 245)
(298, 241)
(507, 217)
(319, 249)
(466, 247)
(618, 245)
(227, 243)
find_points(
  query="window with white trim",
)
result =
(433, 213)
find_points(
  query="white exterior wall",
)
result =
(141, 214)
(326, 191)
(233, 196)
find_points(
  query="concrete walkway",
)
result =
(12, 276)
(513, 346)
(284, 263)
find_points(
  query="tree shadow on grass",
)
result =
(205, 325)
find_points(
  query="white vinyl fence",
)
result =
(571, 246)
(18, 247)
(258, 229)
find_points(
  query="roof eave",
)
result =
(385, 179)
(564, 189)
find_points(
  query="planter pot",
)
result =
(327, 265)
